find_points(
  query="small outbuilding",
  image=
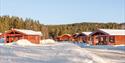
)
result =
(86, 37)
(108, 37)
(16, 34)
(83, 37)
(74, 37)
(65, 37)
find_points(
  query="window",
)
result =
(107, 39)
(112, 39)
(101, 39)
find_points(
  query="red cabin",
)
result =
(86, 37)
(65, 37)
(108, 37)
(74, 37)
(82, 37)
(17, 34)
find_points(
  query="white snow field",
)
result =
(114, 56)
(50, 53)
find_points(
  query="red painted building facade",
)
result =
(64, 37)
(108, 37)
(16, 34)
(81, 37)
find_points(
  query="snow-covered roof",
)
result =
(113, 31)
(66, 34)
(87, 33)
(29, 32)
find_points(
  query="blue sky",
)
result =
(65, 11)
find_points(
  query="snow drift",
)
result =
(24, 42)
(47, 41)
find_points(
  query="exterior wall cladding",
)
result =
(13, 36)
(119, 39)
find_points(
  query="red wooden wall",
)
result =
(119, 39)
(13, 36)
(33, 38)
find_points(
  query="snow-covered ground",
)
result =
(106, 47)
(114, 56)
(112, 53)
(53, 53)
(56, 53)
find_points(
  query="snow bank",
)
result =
(24, 42)
(1, 44)
(119, 45)
(21, 42)
(47, 41)
(9, 44)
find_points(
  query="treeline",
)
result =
(80, 27)
(8, 22)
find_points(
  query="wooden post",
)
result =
(5, 38)
(94, 40)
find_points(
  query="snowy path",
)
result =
(55, 53)
(113, 56)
